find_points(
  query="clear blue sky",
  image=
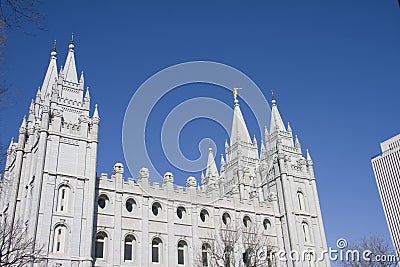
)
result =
(334, 67)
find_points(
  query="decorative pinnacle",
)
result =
(71, 44)
(54, 52)
(273, 101)
(235, 94)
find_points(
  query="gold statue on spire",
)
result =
(235, 93)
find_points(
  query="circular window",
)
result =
(130, 203)
(226, 218)
(156, 208)
(102, 201)
(267, 224)
(203, 215)
(180, 212)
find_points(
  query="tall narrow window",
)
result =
(181, 252)
(205, 248)
(129, 248)
(62, 201)
(306, 232)
(59, 239)
(300, 199)
(156, 246)
(101, 240)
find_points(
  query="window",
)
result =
(156, 246)
(129, 205)
(226, 218)
(182, 246)
(129, 248)
(59, 239)
(156, 208)
(306, 232)
(203, 215)
(300, 199)
(246, 221)
(267, 225)
(102, 201)
(180, 211)
(205, 248)
(101, 239)
(62, 202)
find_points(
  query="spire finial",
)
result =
(71, 44)
(273, 101)
(235, 94)
(54, 52)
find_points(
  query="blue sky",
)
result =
(333, 65)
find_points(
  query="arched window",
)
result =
(156, 208)
(246, 221)
(226, 218)
(103, 201)
(130, 204)
(101, 244)
(182, 252)
(180, 212)
(129, 248)
(267, 225)
(300, 199)
(204, 215)
(60, 233)
(156, 250)
(306, 232)
(205, 250)
(63, 196)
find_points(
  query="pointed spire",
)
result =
(288, 127)
(254, 140)
(69, 72)
(297, 142)
(61, 71)
(51, 74)
(239, 128)
(32, 107)
(226, 144)
(23, 124)
(87, 95)
(96, 112)
(263, 152)
(222, 161)
(212, 170)
(308, 155)
(276, 119)
(82, 78)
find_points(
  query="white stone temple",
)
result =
(50, 185)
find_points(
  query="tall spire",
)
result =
(239, 128)
(96, 112)
(69, 71)
(51, 73)
(212, 170)
(276, 119)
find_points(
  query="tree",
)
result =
(16, 248)
(233, 246)
(14, 13)
(372, 251)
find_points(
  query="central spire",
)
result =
(69, 66)
(239, 128)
